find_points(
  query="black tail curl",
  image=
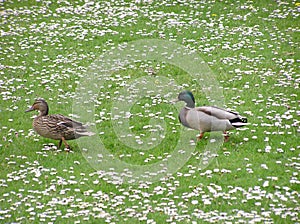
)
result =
(244, 120)
(237, 122)
(238, 119)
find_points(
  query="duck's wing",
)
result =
(65, 121)
(68, 124)
(218, 113)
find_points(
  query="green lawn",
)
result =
(50, 49)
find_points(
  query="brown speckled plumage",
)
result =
(56, 126)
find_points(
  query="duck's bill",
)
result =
(28, 110)
(174, 101)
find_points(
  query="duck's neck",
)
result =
(190, 104)
(44, 112)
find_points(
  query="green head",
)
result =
(188, 98)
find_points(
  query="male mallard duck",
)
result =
(208, 118)
(56, 126)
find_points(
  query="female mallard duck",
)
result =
(208, 118)
(56, 126)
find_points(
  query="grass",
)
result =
(251, 47)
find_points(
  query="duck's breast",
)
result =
(183, 117)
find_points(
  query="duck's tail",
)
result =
(82, 131)
(239, 122)
(86, 133)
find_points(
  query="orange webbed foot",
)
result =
(200, 136)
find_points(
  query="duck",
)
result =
(208, 118)
(56, 126)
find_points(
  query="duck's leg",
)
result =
(226, 136)
(65, 142)
(200, 136)
(59, 144)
